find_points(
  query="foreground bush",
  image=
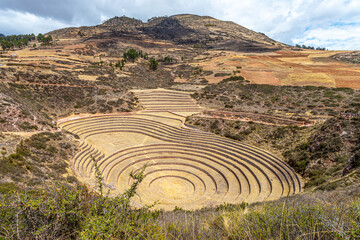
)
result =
(322, 215)
(77, 213)
(81, 213)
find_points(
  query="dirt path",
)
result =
(63, 85)
(252, 117)
(27, 134)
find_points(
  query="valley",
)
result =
(179, 126)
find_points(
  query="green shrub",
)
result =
(28, 126)
(329, 186)
(222, 74)
(232, 207)
(10, 167)
(77, 213)
(7, 187)
(237, 137)
(316, 181)
(322, 216)
(71, 179)
(52, 149)
(232, 79)
(167, 59)
(131, 55)
(153, 64)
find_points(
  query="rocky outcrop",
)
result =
(351, 57)
(352, 164)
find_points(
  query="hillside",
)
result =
(188, 30)
(241, 136)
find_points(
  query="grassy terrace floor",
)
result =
(186, 167)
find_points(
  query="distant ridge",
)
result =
(184, 29)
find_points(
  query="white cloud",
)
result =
(285, 20)
(282, 20)
(13, 22)
(333, 37)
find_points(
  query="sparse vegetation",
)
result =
(81, 34)
(44, 101)
(286, 101)
(131, 55)
(153, 64)
(37, 161)
(233, 78)
(12, 41)
(76, 213)
(120, 64)
(319, 153)
(309, 47)
(80, 213)
(350, 57)
(45, 40)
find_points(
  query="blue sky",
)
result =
(334, 24)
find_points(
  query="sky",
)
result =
(333, 24)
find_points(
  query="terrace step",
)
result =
(185, 167)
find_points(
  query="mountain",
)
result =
(210, 47)
(2, 35)
(185, 29)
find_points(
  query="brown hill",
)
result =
(184, 29)
(81, 72)
(204, 49)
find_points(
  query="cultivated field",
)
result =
(293, 68)
(92, 62)
(186, 167)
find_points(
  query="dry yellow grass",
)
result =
(309, 79)
(88, 77)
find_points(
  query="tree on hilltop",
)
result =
(40, 37)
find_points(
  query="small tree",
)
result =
(4, 44)
(153, 64)
(48, 39)
(119, 64)
(131, 55)
(81, 34)
(19, 44)
(40, 37)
